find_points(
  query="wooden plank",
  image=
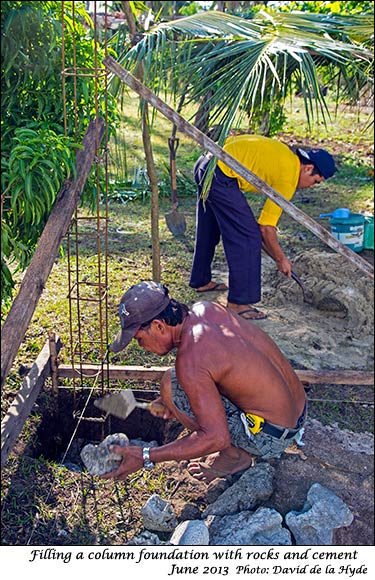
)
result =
(216, 150)
(138, 373)
(113, 372)
(47, 251)
(336, 377)
(23, 402)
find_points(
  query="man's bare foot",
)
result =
(247, 311)
(220, 464)
(213, 287)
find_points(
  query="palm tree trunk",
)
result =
(151, 171)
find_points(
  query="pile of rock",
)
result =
(259, 507)
(236, 517)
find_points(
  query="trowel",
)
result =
(122, 403)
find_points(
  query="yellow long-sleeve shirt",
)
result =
(271, 161)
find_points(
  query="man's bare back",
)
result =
(246, 366)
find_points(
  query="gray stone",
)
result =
(141, 443)
(98, 459)
(158, 515)
(253, 487)
(260, 528)
(189, 512)
(146, 538)
(322, 513)
(190, 533)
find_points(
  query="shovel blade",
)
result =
(176, 223)
(119, 404)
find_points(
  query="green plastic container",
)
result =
(349, 231)
(368, 237)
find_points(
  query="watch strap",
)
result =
(147, 463)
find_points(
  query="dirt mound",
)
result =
(333, 286)
(334, 329)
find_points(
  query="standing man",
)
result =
(227, 214)
(231, 387)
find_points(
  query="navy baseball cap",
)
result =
(322, 160)
(141, 303)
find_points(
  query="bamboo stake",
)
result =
(216, 150)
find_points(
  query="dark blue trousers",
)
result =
(227, 214)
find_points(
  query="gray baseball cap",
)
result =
(141, 303)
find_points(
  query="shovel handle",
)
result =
(157, 409)
(153, 406)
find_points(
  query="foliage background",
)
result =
(38, 151)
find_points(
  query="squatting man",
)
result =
(231, 387)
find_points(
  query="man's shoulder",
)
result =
(204, 310)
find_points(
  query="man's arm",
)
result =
(272, 247)
(191, 446)
(210, 426)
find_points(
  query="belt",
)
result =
(278, 432)
(284, 432)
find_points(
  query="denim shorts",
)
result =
(260, 444)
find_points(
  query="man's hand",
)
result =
(271, 246)
(284, 266)
(132, 460)
(158, 408)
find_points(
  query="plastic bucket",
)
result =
(349, 231)
(368, 237)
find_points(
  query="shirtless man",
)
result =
(225, 367)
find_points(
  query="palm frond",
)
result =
(243, 64)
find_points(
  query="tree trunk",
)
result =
(202, 118)
(150, 164)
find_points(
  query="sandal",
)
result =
(217, 287)
(254, 314)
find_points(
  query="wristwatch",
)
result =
(147, 463)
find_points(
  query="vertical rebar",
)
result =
(87, 285)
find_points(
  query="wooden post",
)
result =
(47, 251)
(19, 410)
(216, 150)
